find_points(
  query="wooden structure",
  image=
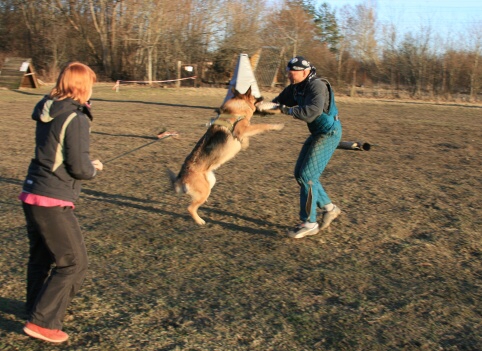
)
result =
(186, 75)
(18, 73)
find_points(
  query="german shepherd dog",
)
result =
(226, 136)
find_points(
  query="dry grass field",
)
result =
(399, 270)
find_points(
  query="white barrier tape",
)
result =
(118, 83)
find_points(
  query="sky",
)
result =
(443, 16)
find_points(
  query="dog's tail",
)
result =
(175, 181)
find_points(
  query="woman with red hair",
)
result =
(57, 261)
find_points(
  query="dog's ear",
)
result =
(248, 92)
(234, 91)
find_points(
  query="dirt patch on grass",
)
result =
(399, 270)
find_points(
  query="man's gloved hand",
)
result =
(286, 110)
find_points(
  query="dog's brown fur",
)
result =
(217, 146)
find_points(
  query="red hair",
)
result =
(75, 81)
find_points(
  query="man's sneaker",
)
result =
(52, 335)
(329, 216)
(302, 230)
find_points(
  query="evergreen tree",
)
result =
(325, 20)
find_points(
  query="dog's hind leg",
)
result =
(197, 200)
(199, 190)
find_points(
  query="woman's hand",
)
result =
(97, 165)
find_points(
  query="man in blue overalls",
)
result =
(312, 100)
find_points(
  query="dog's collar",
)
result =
(223, 119)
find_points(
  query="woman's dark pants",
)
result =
(57, 263)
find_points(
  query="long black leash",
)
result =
(161, 136)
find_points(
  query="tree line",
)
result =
(145, 40)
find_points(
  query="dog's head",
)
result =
(240, 104)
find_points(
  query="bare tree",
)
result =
(359, 29)
(453, 63)
(152, 24)
(364, 33)
(389, 65)
(415, 56)
(105, 14)
(475, 49)
(145, 39)
(291, 27)
(38, 33)
(75, 12)
(345, 43)
(236, 34)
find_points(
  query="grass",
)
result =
(399, 270)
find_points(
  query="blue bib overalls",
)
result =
(317, 150)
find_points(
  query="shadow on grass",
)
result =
(11, 181)
(122, 200)
(129, 201)
(27, 93)
(15, 308)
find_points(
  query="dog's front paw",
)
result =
(200, 221)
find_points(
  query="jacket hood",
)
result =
(47, 109)
(310, 77)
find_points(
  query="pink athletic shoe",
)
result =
(52, 335)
